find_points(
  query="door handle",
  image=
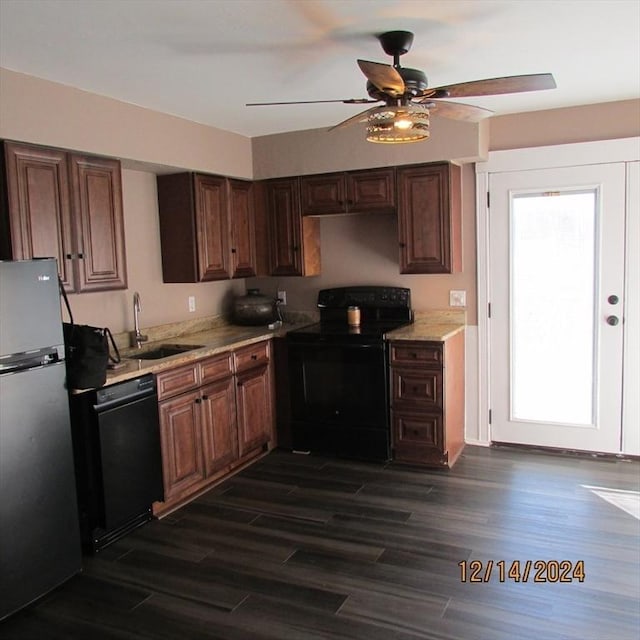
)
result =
(613, 320)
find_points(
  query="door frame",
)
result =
(566, 155)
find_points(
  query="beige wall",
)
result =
(356, 249)
(35, 110)
(607, 121)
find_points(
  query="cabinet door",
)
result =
(181, 442)
(99, 223)
(254, 406)
(322, 194)
(212, 227)
(38, 213)
(372, 190)
(219, 432)
(429, 218)
(242, 219)
(285, 243)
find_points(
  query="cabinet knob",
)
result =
(402, 245)
(613, 299)
(233, 250)
(254, 356)
(205, 397)
(198, 400)
(613, 320)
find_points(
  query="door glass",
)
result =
(553, 296)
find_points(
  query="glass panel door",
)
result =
(556, 245)
(553, 303)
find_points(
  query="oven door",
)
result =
(339, 398)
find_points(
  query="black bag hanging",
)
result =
(86, 351)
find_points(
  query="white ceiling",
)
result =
(204, 59)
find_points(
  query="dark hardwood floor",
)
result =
(299, 548)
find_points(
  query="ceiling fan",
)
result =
(408, 99)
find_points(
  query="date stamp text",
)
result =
(522, 570)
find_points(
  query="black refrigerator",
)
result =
(39, 531)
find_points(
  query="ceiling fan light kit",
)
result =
(398, 125)
(408, 98)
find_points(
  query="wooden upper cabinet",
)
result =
(36, 212)
(212, 227)
(68, 207)
(429, 218)
(207, 227)
(370, 190)
(294, 241)
(97, 209)
(242, 222)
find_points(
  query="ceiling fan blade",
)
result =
(347, 101)
(457, 111)
(494, 86)
(357, 118)
(383, 76)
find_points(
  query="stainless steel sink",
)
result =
(164, 351)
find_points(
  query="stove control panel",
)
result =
(365, 296)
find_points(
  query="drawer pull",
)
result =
(254, 356)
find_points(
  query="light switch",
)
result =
(192, 303)
(457, 298)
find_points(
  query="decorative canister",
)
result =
(254, 308)
(353, 316)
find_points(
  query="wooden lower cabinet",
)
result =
(253, 400)
(215, 415)
(181, 444)
(219, 432)
(427, 400)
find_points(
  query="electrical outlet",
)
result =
(192, 303)
(457, 298)
(282, 296)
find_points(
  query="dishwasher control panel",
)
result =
(127, 390)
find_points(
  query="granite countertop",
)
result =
(435, 325)
(221, 337)
(427, 331)
(214, 341)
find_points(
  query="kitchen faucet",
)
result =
(137, 338)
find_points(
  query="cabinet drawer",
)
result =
(417, 353)
(417, 387)
(178, 380)
(215, 368)
(417, 429)
(251, 356)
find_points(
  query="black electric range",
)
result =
(338, 373)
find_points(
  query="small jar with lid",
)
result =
(353, 316)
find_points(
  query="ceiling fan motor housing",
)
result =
(415, 83)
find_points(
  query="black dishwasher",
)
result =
(116, 444)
